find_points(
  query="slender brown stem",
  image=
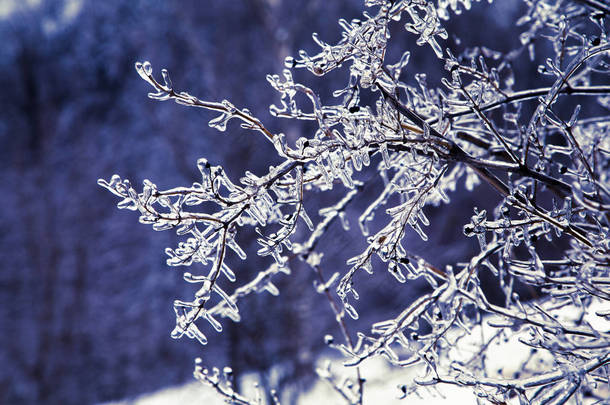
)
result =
(341, 321)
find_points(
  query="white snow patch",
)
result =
(383, 381)
(381, 387)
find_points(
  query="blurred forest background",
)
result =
(85, 295)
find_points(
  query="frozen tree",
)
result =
(535, 142)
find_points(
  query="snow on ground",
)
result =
(381, 387)
(382, 380)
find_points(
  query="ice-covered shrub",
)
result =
(541, 152)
